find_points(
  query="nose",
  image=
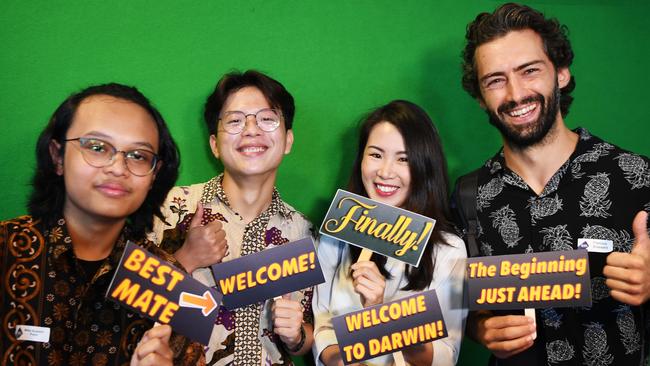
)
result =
(386, 170)
(116, 167)
(515, 89)
(250, 126)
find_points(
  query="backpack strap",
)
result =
(464, 207)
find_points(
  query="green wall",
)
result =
(338, 58)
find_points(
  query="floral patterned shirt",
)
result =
(43, 284)
(284, 225)
(596, 195)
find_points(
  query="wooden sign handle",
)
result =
(365, 255)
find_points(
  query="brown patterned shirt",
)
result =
(44, 284)
(279, 224)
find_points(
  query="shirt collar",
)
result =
(214, 189)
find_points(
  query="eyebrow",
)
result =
(518, 68)
(382, 150)
(102, 135)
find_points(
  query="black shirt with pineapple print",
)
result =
(595, 195)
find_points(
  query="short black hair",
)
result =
(274, 92)
(513, 17)
(48, 188)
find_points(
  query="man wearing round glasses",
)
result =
(249, 116)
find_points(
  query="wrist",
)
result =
(184, 260)
(301, 341)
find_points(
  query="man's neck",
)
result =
(92, 240)
(538, 163)
(249, 196)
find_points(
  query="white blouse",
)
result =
(336, 295)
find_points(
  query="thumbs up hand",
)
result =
(628, 274)
(204, 245)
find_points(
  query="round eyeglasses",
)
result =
(267, 120)
(99, 153)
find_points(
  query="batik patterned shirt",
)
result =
(594, 195)
(45, 285)
(280, 224)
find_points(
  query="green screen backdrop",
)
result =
(339, 59)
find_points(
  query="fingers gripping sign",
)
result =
(287, 319)
(367, 280)
(204, 245)
(628, 274)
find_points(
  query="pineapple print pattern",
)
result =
(486, 249)
(487, 192)
(554, 182)
(630, 338)
(635, 168)
(599, 289)
(551, 318)
(543, 207)
(559, 350)
(504, 220)
(594, 202)
(622, 240)
(515, 180)
(556, 238)
(592, 156)
(593, 195)
(596, 351)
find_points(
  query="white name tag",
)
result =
(596, 245)
(32, 333)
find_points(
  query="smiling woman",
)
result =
(105, 161)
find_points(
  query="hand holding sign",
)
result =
(628, 274)
(504, 336)
(153, 349)
(205, 245)
(368, 282)
(287, 321)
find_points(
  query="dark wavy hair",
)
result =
(275, 93)
(48, 193)
(429, 189)
(512, 17)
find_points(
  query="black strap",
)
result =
(465, 201)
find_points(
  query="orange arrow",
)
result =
(206, 302)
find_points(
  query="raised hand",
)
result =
(204, 245)
(153, 349)
(287, 321)
(368, 282)
(628, 274)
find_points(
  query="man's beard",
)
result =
(521, 137)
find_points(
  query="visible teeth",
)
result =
(386, 189)
(522, 111)
(252, 149)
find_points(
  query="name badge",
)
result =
(32, 333)
(596, 245)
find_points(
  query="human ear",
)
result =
(563, 77)
(57, 158)
(289, 142)
(213, 146)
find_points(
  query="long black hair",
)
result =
(428, 191)
(48, 193)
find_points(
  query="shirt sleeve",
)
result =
(448, 281)
(329, 252)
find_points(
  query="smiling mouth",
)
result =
(522, 111)
(252, 149)
(385, 190)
